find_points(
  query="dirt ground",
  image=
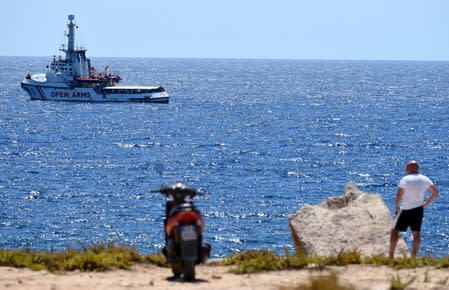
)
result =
(216, 277)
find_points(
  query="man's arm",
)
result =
(399, 195)
(434, 190)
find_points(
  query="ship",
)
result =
(72, 78)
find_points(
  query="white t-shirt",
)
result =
(415, 186)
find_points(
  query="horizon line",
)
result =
(252, 58)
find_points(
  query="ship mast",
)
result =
(75, 57)
(71, 35)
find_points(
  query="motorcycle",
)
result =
(183, 227)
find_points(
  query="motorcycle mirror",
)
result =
(201, 192)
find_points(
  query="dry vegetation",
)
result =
(103, 257)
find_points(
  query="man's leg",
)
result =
(416, 242)
(393, 242)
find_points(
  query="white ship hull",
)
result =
(56, 92)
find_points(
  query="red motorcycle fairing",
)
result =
(185, 218)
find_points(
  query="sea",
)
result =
(258, 139)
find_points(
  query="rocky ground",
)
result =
(217, 277)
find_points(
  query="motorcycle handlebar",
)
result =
(179, 191)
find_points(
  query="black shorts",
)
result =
(410, 218)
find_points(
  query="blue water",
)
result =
(258, 138)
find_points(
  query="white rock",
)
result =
(355, 221)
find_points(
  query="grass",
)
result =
(102, 257)
(97, 257)
(397, 284)
(263, 260)
(443, 281)
(255, 261)
(321, 282)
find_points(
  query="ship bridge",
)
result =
(75, 63)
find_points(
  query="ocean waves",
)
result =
(257, 138)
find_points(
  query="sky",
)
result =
(261, 29)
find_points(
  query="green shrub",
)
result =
(102, 257)
(443, 262)
(158, 260)
(300, 260)
(255, 261)
(97, 257)
(377, 261)
(344, 258)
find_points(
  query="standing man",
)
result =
(411, 192)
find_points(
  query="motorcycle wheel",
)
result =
(189, 270)
(176, 269)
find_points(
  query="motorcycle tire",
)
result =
(177, 269)
(189, 270)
